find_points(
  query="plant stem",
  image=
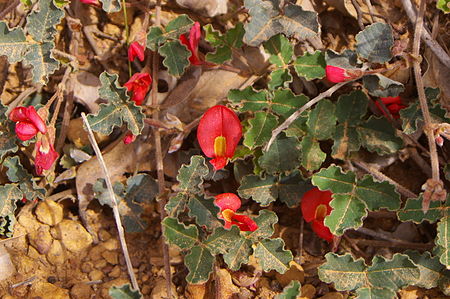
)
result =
(159, 156)
(127, 33)
(115, 207)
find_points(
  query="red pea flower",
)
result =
(45, 156)
(129, 138)
(136, 50)
(218, 134)
(28, 122)
(91, 2)
(139, 85)
(192, 43)
(393, 105)
(229, 203)
(336, 74)
(315, 206)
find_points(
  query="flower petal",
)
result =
(25, 130)
(311, 200)
(44, 159)
(322, 231)
(227, 201)
(245, 223)
(335, 74)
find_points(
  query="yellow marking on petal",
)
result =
(227, 214)
(321, 212)
(220, 146)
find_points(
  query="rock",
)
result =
(45, 290)
(111, 244)
(160, 291)
(96, 275)
(111, 257)
(74, 236)
(100, 264)
(95, 253)
(104, 235)
(80, 291)
(196, 291)
(308, 291)
(146, 290)
(28, 221)
(56, 254)
(7, 267)
(295, 272)
(115, 272)
(87, 267)
(41, 239)
(49, 212)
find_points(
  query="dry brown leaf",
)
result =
(208, 8)
(295, 272)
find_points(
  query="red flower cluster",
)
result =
(28, 125)
(192, 43)
(393, 104)
(136, 50)
(229, 203)
(336, 74)
(218, 134)
(139, 85)
(315, 206)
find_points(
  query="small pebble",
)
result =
(96, 275)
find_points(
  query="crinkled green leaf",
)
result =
(118, 110)
(249, 99)
(176, 204)
(9, 194)
(412, 211)
(141, 188)
(322, 120)
(157, 36)
(291, 291)
(40, 57)
(223, 240)
(346, 60)
(291, 188)
(42, 21)
(342, 270)
(311, 66)
(380, 86)
(13, 43)
(333, 179)
(124, 292)
(282, 156)
(312, 155)
(111, 5)
(178, 234)
(239, 254)
(348, 212)
(225, 43)
(191, 176)
(279, 78)
(443, 5)
(261, 127)
(261, 190)
(432, 272)
(204, 211)
(375, 42)
(412, 116)
(266, 221)
(285, 102)
(443, 237)
(378, 135)
(176, 57)
(377, 195)
(272, 255)
(7, 134)
(280, 50)
(267, 21)
(200, 264)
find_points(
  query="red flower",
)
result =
(315, 206)
(336, 74)
(139, 84)
(28, 122)
(45, 156)
(218, 134)
(192, 43)
(129, 138)
(393, 104)
(91, 2)
(229, 203)
(136, 50)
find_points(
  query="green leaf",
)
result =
(13, 43)
(346, 60)
(124, 292)
(141, 188)
(311, 66)
(291, 188)
(378, 135)
(111, 5)
(375, 42)
(7, 224)
(412, 116)
(412, 211)
(322, 120)
(249, 99)
(380, 86)
(261, 190)
(176, 57)
(223, 240)
(443, 238)
(176, 204)
(157, 36)
(267, 21)
(348, 212)
(282, 156)
(333, 179)
(191, 176)
(279, 78)
(272, 255)
(312, 155)
(432, 272)
(40, 57)
(291, 291)
(266, 221)
(280, 50)
(204, 211)
(200, 264)
(119, 109)
(102, 194)
(261, 127)
(178, 234)
(9, 194)
(17, 174)
(443, 5)
(239, 254)
(7, 134)
(285, 102)
(383, 277)
(224, 43)
(377, 195)
(42, 21)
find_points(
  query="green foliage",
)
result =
(178, 234)
(311, 66)
(443, 5)
(7, 134)
(261, 127)
(432, 272)
(225, 43)
(380, 86)
(200, 263)
(272, 255)
(380, 280)
(204, 211)
(176, 57)
(119, 109)
(412, 211)
(291, 291)
(375, 42)
(282, 156)
(124, 292)
(27, 184)
(268, 21)
(352, 198)
(9, 194)
(378, 135)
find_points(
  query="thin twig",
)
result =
(434, 45)
(297, 113)
(27, 281)
(388, 237)
(358, 13)
(115, 207)
(371, 12)
(159, 156)
(382, 177)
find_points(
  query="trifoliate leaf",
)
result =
(267, 21)
(118, 110)
(225, 43)
(111, 5)
(124, 292)
(261, 127)
(280, 50)
(42, 21)
(157, 36)
(204, 211)
(375, 42)
(200, 264)
(272, 255)
(176, 57)
(378, 135)
(239, 254)
(178, 234)
(311, 66)
(380, 86)
(282, 156)
(191, 176)
(9, 194)
(223, 240)
(322, 120)
(291, 291)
